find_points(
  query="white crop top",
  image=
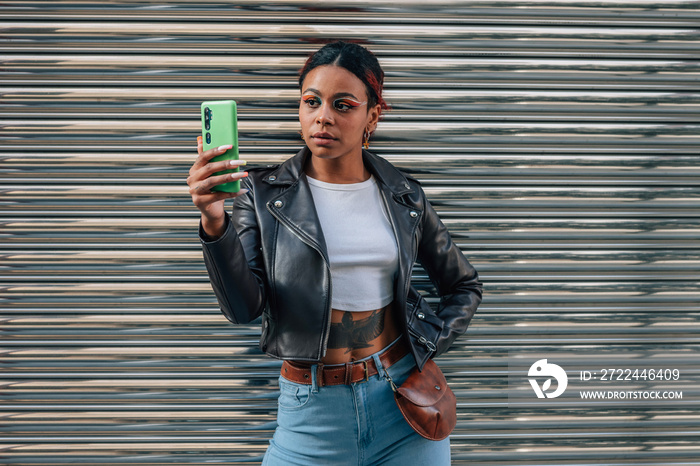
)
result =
(360, 241)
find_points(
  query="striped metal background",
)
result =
(559, 141)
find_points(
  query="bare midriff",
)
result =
(356, 335)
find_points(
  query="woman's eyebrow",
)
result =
(311, 89)
(345, 94)
(336, 96)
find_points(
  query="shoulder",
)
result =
(398, 180)
(260, 171)
(257, 174)
(413, 181)
(415, 187)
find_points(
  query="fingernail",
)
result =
(244, 174)
(237, 163)
(199, 139)
(225, 147)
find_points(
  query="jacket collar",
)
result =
(291, 170)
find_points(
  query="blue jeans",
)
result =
(356, 424)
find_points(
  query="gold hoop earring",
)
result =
(365, 139)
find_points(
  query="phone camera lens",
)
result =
(207, 118)
(208, 138)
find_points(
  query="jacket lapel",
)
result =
(294, 205)
(294, 208)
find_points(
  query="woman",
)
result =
(322, 247)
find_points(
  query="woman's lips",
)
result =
(323, 138)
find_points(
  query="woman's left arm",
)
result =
(457, 282)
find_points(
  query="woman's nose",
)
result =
(325, 115)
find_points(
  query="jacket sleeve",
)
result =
(234, 263)
(457, 282)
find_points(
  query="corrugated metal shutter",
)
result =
(559, 141)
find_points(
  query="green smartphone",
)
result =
(220, 128)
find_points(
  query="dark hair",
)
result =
(357, 60)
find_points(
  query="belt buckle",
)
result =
(366, 367)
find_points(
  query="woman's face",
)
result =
(334, 113)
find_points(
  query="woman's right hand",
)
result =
(211, 203)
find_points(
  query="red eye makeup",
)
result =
(341, 104)
(346, 101)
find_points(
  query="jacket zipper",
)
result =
(293, 228)
(423, 341)
(329, 309)
(414, 250)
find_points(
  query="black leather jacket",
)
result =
(272, 261)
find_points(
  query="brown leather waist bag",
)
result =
(427, 402)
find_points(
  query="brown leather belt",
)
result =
(351, 372)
